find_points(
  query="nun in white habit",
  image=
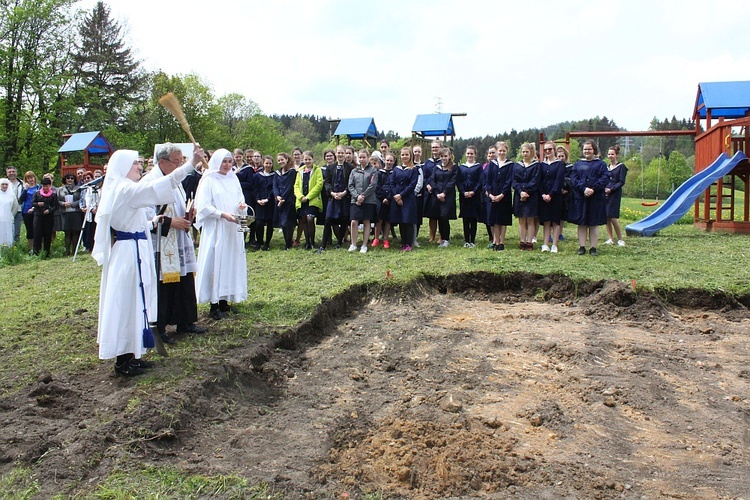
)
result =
(127, 297)
(8, 209)
(222, 268)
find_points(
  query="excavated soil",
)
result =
(468, 386)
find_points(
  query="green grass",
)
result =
(166, 482)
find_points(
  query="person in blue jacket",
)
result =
(588, 179)
(469, 186)
(617, 173)
(526, 195)
(404, 211)
(283, 192)
(498, 195)
(551, 182)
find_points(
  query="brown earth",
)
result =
(466, 386)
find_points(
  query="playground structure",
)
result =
(720, 162)
(91, 143)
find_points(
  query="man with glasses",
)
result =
(177, 302)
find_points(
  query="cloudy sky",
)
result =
(510, 64)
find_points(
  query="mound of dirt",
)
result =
(465, 386)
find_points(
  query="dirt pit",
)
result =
(423, 394)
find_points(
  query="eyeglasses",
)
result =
(175, 163)
(548, 149)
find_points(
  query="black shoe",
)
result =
(264, 248)
(256, 247)
(167, 339)
(499, 247)
(191, 328)
(592, 251)
(217, 315)
(141, 363)
(128, 369)
(581, 250)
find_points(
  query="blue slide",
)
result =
(684, 196)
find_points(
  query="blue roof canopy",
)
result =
(434, 125)
(724, 99)
(357, 128)
(93, 142)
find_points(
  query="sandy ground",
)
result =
(450, 389)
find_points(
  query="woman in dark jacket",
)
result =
(588, 179)
(441, 195)
(617, 173)
(469, 186)
(45, 205)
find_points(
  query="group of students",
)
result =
(382, 190)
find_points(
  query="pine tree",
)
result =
(110, 77)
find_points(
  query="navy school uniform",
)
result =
(526, 178)
(337, 180)
(245, 176)
(283, 185)
(441, 181)
(383, 192)
(403, 181)
(551, 182)
(588, 211)
(426, 169)
(616, 182)
(499, 179)
(263, 189)
(470, 179)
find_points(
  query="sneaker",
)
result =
(545, 248)
(466, 245)
(581, 251)
(533, 240)
(352, 248)
(620, 243)
(320, 250)
(295, 243)
(592, 251)
(375, 243)
(522, 246)
(363, 249)
(553, 249)
(561, 238)
(386, 244)
(609, 242)
(499, 247)
(416, 244)
(444, 244)
(406, 248)
(530, 246)
(491, 246)
(471, 245)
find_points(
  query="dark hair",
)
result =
(592, 144)
(46, 181)
(616, 149)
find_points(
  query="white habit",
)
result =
(222, 268)
(123, 207)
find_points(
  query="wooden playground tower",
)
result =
(720, 207)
